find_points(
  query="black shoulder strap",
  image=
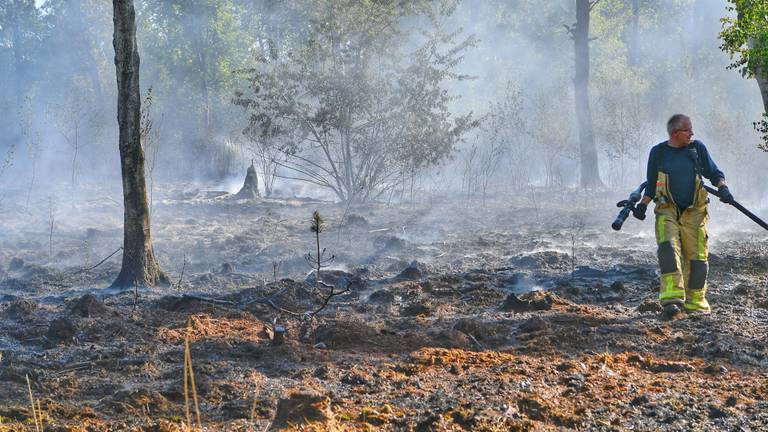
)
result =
(693, 152)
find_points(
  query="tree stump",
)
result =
(250, 187)
(278, 335)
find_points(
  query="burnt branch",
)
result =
(333, 293)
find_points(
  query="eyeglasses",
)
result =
(684, 130)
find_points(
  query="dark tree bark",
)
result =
(139, 264)
(761, 75)
(590, 173)
(760, 72)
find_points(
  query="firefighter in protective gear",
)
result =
(675, 184)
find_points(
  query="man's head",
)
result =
(680, 130)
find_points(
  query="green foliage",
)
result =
(189, 51)
(745, 37)
(350, 104)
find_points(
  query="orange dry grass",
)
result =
(205, 327)
(441, 356)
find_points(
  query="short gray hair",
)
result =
(676, 122)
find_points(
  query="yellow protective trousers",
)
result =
(682, 248)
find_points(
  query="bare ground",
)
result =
(526, 315)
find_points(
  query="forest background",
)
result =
(369, 100)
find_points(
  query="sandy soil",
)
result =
(530, 314)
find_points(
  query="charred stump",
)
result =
(250, 187)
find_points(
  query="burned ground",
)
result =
(523, 316)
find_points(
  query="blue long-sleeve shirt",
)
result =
(677, 163)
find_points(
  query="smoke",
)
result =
(63, 91)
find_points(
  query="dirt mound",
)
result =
(340, 279)
(301, 407)
(16, 284)
(414, 271)
(420, 308)
(355, 220)
(451, 338)
(295, 296)
(650, 305)
(479, 329)
(183, 304)
(138, 399)
(339, 334)
(32, 271)
(389, 243)
(382, 296)
(543, 260)
(20, 308)
(61, 330)
(227, 268)
(89, 306)
(15, 264)
(534, 301)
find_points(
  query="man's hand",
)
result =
(639, 210)
(725, 194)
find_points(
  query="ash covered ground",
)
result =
(527, 314)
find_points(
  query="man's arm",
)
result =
(709, 169)
(713, 173)
(651, 175)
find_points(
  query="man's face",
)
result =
(684, 134)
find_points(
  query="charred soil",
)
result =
(513, 317)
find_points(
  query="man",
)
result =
(675, 171)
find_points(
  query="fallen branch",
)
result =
(117, 362)
(209, 300)
(330, 295)
(100, 262)
(267, 300)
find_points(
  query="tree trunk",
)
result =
(590, 174)
(761, 76)
(139, 264)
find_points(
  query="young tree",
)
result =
(353, 111)
(745, 38)
(75, 118)
(623, 126)
(550, 131)
(501, 136)
(139, 265)
(270, 152)
(32, 140)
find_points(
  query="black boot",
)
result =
(671, 310)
